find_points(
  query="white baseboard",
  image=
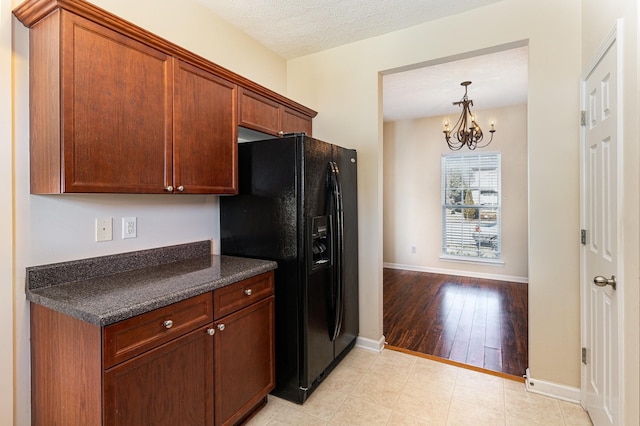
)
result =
(370, 344)
(497, 277)
(554, 390)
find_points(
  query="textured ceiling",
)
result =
(295, 28)
(498, 80)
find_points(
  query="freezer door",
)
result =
(261, 221)
(318, 350)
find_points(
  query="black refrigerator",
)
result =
(297, 205)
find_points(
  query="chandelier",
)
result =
(466, 131)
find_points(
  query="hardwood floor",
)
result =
(473, 321)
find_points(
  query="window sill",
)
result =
(476, 260)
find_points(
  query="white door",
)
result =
(600, 186)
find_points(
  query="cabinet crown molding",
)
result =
(30, 12)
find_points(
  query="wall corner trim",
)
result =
(553, 390)
(370, 344)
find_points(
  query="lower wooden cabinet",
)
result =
(170, 385)
(170, 366)
(244, 361)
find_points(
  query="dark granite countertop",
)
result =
(108, 289)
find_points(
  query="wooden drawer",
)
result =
(243, 293)
(131, 337)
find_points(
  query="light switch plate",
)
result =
(104, 229)
(129, 227)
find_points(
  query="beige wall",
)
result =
(412, 212)
(598, 19)
(343, 84)
(58, 228)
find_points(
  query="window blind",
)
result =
(471, 210)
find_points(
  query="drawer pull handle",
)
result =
(211, 331)
(168, 324)
(220, 327)
(248, 292)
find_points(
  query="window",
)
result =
(471, 206)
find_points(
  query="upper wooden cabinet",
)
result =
(108, 128)
(205, 149)
(260, 113)
(292, 121)
(115, 108)
(127, 118)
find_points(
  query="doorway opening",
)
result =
(434, 304)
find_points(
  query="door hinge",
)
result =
(583, 118)
(584, 356)
(583, 237)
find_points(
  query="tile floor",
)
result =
(394, 388)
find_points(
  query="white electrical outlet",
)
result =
(104, 229)
(413, 249)
(129, 227)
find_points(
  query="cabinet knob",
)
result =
(180, 188)
(169, 188)
(211, 331)
(248, 292)
(167, 324)
(280, 133)
(220, 327)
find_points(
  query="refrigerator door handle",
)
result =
(338, 238)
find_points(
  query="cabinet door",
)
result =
(116, 111)
(205, 132)
(244, 361)
(169, 385)
(264, 115)
(293, 122)
(258, 113)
